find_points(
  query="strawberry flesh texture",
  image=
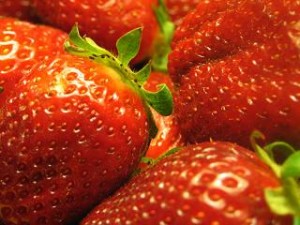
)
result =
(177, 9)
(23, 45)
(168, 135)
(104, 21)
(21, 9)
(208, 183)
(237, 65)
(70, 135)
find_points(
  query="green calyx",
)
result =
(152, 162)
(283, 200)
(163, 47)
(127, 47)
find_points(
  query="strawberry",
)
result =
(21, 9)
(236, 64)
(105, 21)
(179, 8)
(22, 45)
(73, 131)
(168, 135)
(208, 183)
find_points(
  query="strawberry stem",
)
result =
(163, 47)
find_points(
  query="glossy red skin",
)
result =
(21, 9)
(70, 135)
(237, 68)
(179, 8)
(208, 183)
(23, 45)
(168, 135)
(104, 21)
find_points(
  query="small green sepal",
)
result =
(143, 74)
(291, 166)
(128, 46)
(279, 203)
(161, 101)
(285, 199)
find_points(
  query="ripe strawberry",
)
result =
(237, 66)
(21, 9)
(209, 183)
(104, 21)
(22, 45)
(179, 8)
(168, 135)
(73, 131)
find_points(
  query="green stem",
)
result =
(263, 154)
(296, 220)
(163, 45)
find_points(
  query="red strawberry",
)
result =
(104, 21)
(209, 183)
(168, 135)
(237, 66)
(21, 9)
(22, 45)
(179, 8)
(73, 131)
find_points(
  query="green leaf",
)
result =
(291, 166)
(296, 220)
(161, 101)
(143, 74)
(278, 202)
(284, 200)
(78, 41)
(168, 153)
(80, 46)
(147, 160)
(163, 45)
(128, 45)
(166, 25)
(265, 156)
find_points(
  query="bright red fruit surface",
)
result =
(208, 183)
(23, 45)
(71, 133)
(104, 21)
(237, 66)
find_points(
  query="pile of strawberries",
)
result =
(149, 112)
